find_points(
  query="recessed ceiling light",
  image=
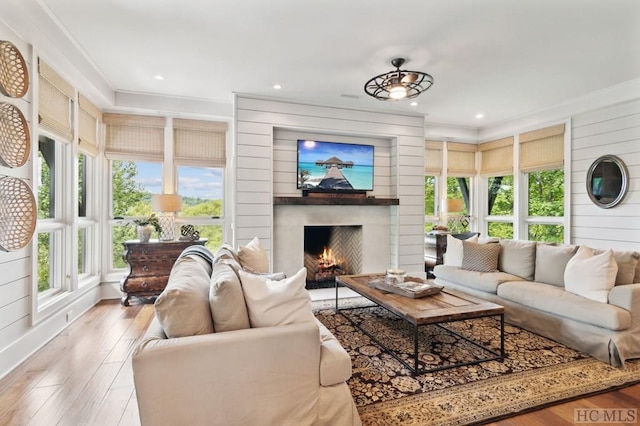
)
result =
(158, 77)
(277, 86)
(413, 104)
(479, 115)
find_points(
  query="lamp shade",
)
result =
(455, 205)
(166, 202)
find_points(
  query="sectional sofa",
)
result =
(232, 345)
(586, 299)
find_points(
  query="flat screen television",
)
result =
(334, 166)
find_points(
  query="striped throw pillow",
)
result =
(480, 257)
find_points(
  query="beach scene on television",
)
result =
(335, 166)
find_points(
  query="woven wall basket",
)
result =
(17, 214)
(14, 76)
(15, 142)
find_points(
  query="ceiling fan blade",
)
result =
(410, 78)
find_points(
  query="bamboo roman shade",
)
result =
(497, 157)
(198, 142)
(461, 159)
(139, 135)
(55, 102)
(433, 158)
(542, 149)
(89, 119)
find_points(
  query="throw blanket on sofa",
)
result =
(201, 251)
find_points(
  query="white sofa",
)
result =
(532, 280)
(293, 374)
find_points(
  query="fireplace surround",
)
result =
(369, 225)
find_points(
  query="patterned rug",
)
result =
(535, 373)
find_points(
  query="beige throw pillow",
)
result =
(518, 258)
(272, 303)
(183, 306)
(551, 261)
(453, 255)
(253, 257)
(228, 308)
(480, 257)
(627, 262)
(591, 275)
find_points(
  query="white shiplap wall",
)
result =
(20, 335)
(263, 164)
(614, 130)
(15, 267)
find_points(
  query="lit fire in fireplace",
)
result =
(328, 266)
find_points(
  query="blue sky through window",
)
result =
(199, 182)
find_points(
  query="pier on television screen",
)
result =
(334, 166)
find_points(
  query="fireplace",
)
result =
(330, 251)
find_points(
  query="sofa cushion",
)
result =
(183, 306)
(518, 258)
(226, 299)
(555, 300)
(591, 275)
(483, 281)
(453, 255)
(551, 261)
(627, 262)
(253, 257)
(225, 252)
(272, 303)
(335, 362)
(480, 257)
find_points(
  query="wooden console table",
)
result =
(149, 266)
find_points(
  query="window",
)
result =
(546, 206)
(50, 227)
(500, 206)
(202, 191)
(458, 204)
(132, 183)
(542, 162)
(86, 220)
(430, 206)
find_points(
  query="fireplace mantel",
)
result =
(334, 201)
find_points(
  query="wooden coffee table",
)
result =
(444, 307)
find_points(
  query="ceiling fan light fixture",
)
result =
(397, 92)
(398, 84)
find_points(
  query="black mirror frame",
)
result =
(624, 186)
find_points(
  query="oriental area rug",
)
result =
(536, 372)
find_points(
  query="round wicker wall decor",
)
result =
(14, 76)
(14, 136)
(17, 214)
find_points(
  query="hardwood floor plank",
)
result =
(22, 412)
(131, 416)
(93, 394)
(84, 376)
(112, 407)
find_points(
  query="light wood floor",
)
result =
(83, 377)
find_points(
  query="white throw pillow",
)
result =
(591, 275)
(272, 303)
(454, 255)
(253, 257)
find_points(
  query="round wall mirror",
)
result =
(607, 181)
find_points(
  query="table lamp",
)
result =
(167, 205)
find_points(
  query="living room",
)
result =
(557, 77)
